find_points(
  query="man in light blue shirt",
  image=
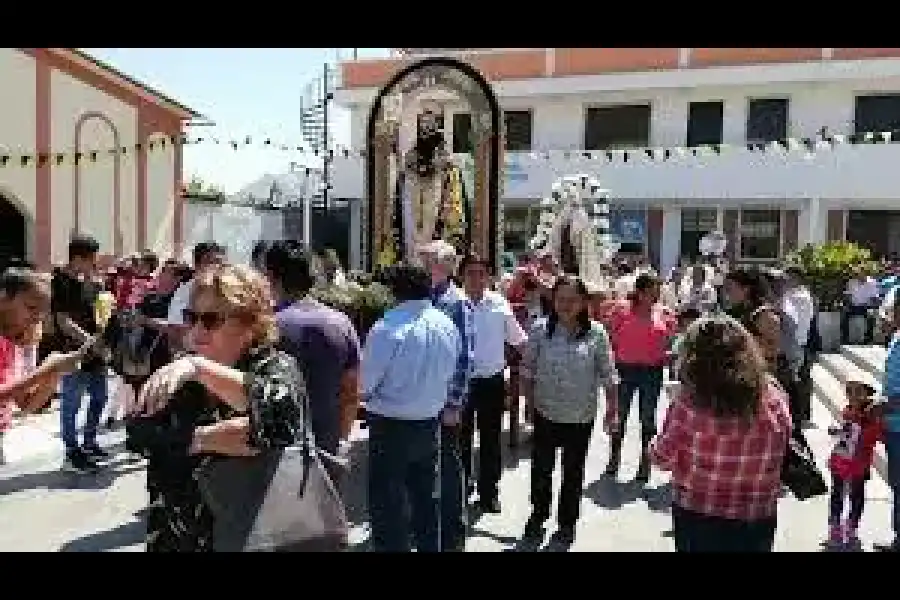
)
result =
(891, 391)
(408, 366)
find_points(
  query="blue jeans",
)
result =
(892, 447)
(72, 387)
(648, 383)
(404, 484)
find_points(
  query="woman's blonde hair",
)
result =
(244, 294)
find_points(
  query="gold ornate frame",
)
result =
(382, 159)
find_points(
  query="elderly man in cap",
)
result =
(440, 260)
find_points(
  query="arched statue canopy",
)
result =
(466, 82)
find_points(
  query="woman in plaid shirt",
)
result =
(724, 439)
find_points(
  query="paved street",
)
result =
(44, 510)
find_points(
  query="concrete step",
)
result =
(828, 377)
(868, 358)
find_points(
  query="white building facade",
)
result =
(763, 144)
(86, 148)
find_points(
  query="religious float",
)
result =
(574, 227)
(417, 191)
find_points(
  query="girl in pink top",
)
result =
(640, 332)
(24, 303)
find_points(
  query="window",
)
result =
(462, 133)
(517, 230)
(613, 127)
(705, 124)
(695, 223)
(518, 130)
(767, 120)
(875, 114)
(760, 234)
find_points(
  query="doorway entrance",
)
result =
(877, 230)
(13, 232)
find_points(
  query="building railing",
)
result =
(777, 173)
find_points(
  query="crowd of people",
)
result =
(229, 360)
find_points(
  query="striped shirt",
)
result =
(450, 300)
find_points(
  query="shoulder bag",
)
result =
(799, 472)
(282, 500)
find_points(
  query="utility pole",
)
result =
(326, 145)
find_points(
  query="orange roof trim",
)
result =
(566, 62)
(86, 63)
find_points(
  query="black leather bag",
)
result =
(799, 472)
(283, 500)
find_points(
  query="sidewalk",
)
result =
(36, 437)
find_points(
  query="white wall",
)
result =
(70, 99)
(864, 175)
(237, 228)
(17, 130)
(860, 173)
(161, 196)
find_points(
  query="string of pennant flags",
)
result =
(158, 143)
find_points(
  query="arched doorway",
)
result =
(385, 154)
(14, 230)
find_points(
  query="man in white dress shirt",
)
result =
(799, 306)
(862, 295)
(696, 290)
(495, 327)
(206, 255)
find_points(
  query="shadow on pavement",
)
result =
(502, 539)
(512, 456)
(62, 480)
(659, 498)
(527, 544)
(557, 543)
(609, 493)
(126, 534)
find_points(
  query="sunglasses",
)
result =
(209, 320)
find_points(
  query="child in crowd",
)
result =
(859, 430)
(24, 302)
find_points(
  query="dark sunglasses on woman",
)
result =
(209, 320)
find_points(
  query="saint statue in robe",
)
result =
(431, 190)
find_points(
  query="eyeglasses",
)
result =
(209, 320)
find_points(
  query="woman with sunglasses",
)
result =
(236, 394)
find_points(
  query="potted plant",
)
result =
(826, 269)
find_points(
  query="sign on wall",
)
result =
(629, 226)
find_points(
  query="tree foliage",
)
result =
(826, 269)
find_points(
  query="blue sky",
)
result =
(246, 92)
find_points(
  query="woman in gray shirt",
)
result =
(567, 364)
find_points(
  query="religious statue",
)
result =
(574, 228)
(431, 190)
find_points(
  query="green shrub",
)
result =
(364, 304)
(826, 269)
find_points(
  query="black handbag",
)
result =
(282, 500)
(799, 472)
